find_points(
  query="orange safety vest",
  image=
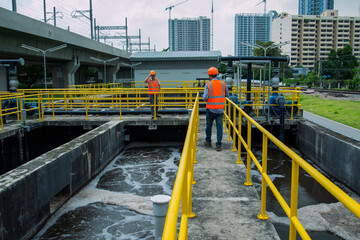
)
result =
(216, 99)
(153, 86)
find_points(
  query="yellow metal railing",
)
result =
(297, 162)
(17, 101)
(182, 191)
(99, 98)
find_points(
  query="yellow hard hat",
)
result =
(152, 72)
(213, 71)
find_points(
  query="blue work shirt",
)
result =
(206, 96)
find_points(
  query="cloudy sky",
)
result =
(152, 19)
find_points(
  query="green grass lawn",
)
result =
(346, 112)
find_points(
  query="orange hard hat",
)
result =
(152, 72)
(213, 71)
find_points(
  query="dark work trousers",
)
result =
(210, 117)
(151, 98)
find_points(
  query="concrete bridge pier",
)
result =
(57, 75)
(70, 71)
(113, 70)
(3, 79)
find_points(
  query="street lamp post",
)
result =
(104, 61)
(44, 53)
(265, 48)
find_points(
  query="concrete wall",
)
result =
(26, 192)
(335, 154)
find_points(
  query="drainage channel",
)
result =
(319, 212)
(116, 204)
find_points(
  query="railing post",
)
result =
(224, 118)
(154, 105)
(294, 197)
(86, 105)
(248, 159)
(234, 127)
(229, 120)
(53, 106)
(1, 117)
(120, 106)
(263, 215)
(239, 139)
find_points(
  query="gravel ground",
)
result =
(334, 96)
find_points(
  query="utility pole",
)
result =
(212, 25)
(91, 20)
(44, 3)
(126, 37)
(14, 5)
(81, 13)
(53, 16)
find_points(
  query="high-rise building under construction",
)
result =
(189, 34)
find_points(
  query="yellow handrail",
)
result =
(182, 190)
(297, 162)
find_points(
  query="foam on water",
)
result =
(91, 195)
(333, 217)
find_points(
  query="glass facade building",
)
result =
(249, 28)
(315, 7)
(189, 34)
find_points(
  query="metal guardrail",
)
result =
(182, 191)
(297, 162)
(258, 97)
(16, 102)
(118, 99)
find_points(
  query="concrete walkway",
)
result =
(333, 126)
(224, 207)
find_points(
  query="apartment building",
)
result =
(189, 34)
(312, 37)
(314, 7)
(249, 28)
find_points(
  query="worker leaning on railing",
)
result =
(153, 90)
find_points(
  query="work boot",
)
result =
(218, 148)
(207, 144)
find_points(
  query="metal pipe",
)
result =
(248, 84)
(137, 112)
(160, 208)
(250, 58)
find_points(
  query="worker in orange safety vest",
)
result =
(214, 95)
(153, 90)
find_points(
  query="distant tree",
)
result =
(340, 64)
(34, 74)
(222, 67)
(312, 78)
(271, 52)
(354, 84)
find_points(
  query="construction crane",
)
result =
(265, 27)
(172, 6)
